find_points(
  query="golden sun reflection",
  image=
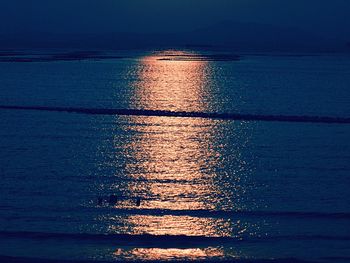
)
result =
(176, 156)
(179, 226)
(170, 253)
(173, 163)
(176, 85)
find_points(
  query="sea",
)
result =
(174, 155)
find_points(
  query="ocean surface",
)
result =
(188, 186)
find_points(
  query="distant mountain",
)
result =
(225, 35)
(260, 37)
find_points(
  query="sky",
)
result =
(327, 17)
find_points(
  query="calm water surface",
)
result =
(209, 188)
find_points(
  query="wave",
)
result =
(69, 56)
(9, 259)
(184, 114)
(166, 241)
(231, 214)
(92, 207)
(198, 57)
(225, 214)
(189, 56)
(159, 240)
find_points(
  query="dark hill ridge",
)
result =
(263, 36)
(224, 35)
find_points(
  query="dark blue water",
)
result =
(209, 188)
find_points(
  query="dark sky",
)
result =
(328, 17)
